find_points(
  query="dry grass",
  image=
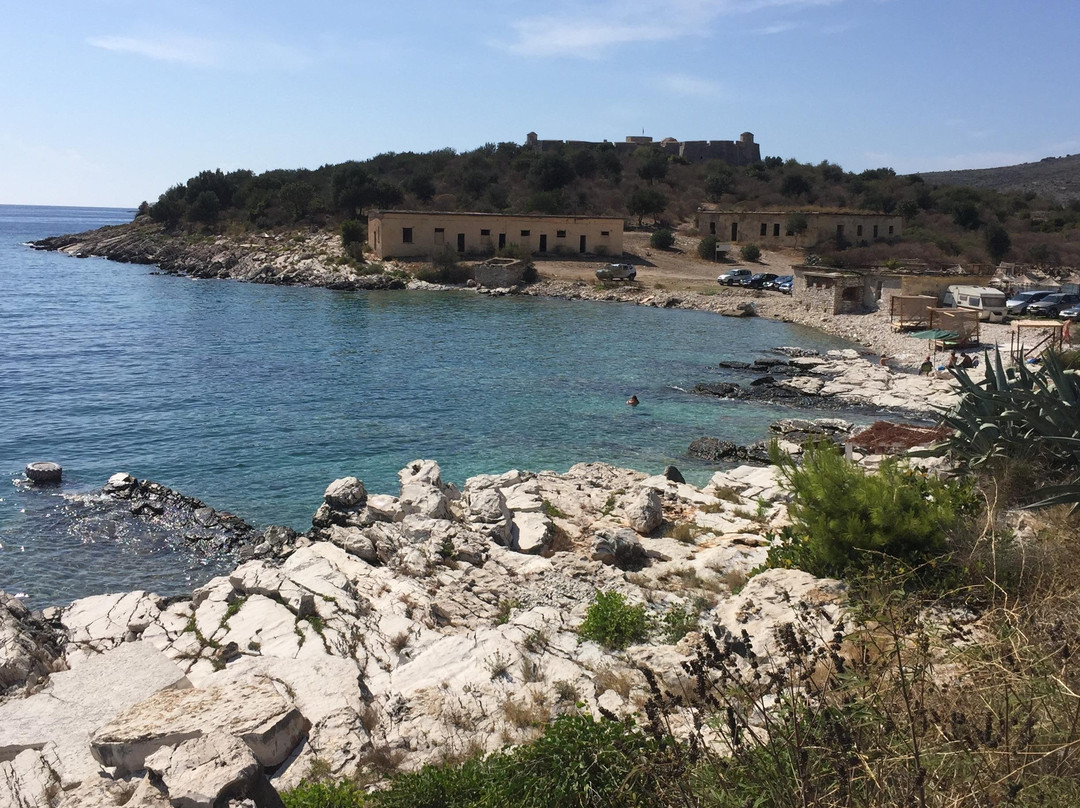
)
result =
(621, 681)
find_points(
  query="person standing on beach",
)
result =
(1066, 332)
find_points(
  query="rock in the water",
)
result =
(645, 512)
(44, 472)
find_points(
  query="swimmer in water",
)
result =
(632, 401)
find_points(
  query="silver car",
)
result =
(617, 272)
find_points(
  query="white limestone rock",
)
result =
(78, 701)
(645, 512)
(531, 532)
(425, 500)
(202, 771)
(344, 493)
(252, 711)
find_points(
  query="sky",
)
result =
(110, 102)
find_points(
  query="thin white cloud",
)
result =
(779, 28)
(693, 86)
(185, 50)
(206, 53)
(589, 34)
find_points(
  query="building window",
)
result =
(875, 231)
(858, 230)
(524, 233)
(485, 232)
(764, 229)
(406, 235)
(560, 234)
(712, 228)
(776, 230)
(890, 229)
(605, 233)
(440, 230)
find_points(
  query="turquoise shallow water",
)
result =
(253, 397)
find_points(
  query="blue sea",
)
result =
(253, 398)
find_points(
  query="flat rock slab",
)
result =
(253, 712)
(78, 701)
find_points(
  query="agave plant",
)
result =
(1020, 413)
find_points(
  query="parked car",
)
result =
(759, 279)
(1018, 303)
(1071, 313)
(734, 277)
(617, 272)
(779, 281)
(1051, 305)
(784, 287)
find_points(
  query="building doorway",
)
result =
(543, 242)
(461, 242)
(502, 240)
(581, 244)
(734, 231)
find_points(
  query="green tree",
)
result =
(422, 186)
(795, 185)
(652, 164)
(998, 243)
(552, 171)
(797, 224)
(296, 198)
(706, 248)
(719, 181)
(353, 188)
(966, 215)
(205, 208)
(646, 202)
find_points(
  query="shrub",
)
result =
(843, 519)
(343, 794)
(353, 232)
(706, 248)
(750, 252)
(662, 239)
(444, 268)
(614, 623)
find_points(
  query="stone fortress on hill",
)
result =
(741, 152)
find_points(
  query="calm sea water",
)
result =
(253, 398)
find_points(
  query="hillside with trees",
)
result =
(943, 223)
(1056, 178)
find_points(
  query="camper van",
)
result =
(990, 303)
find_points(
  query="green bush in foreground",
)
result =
(614, 623)
(706, 248)
(343, 794)
(844, 519)
(579, 762)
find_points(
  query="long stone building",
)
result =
(741, 152)
(420, 234)
(772, 228)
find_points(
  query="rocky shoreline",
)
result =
(398, 630)
(316, 258)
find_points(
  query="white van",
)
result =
(990, 303)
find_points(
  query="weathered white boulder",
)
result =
(531, 532)
(645, 512)
(28, 781)
(347, 492)
(252, 711)
(200, 772)
(620, 548)
(355, 541)
(424, 499)
(78, 701)
(487, 512)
